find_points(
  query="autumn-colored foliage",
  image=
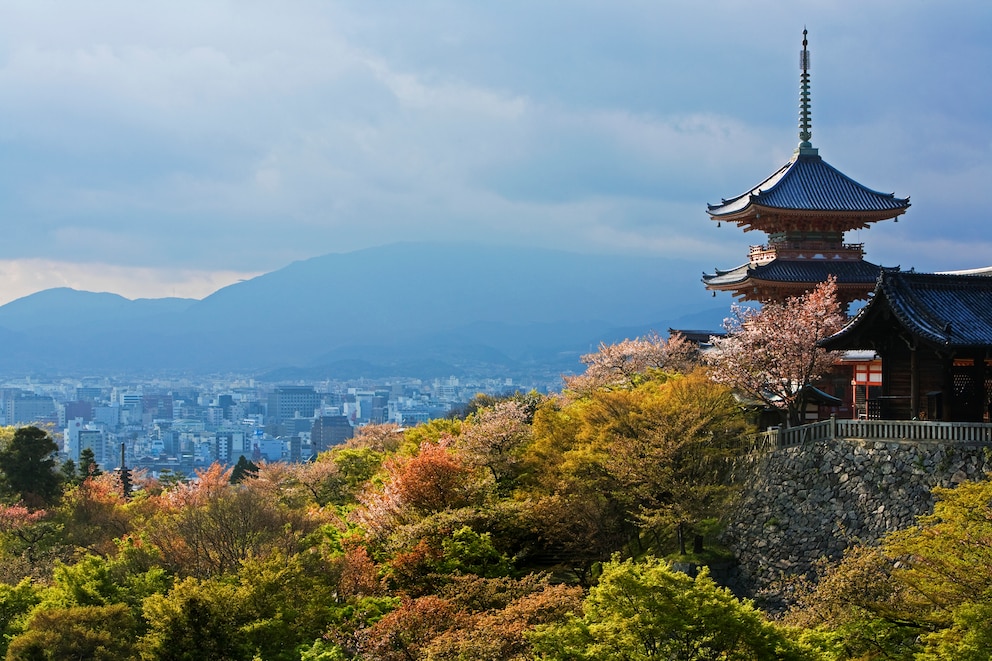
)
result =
(529, 529)
(15, 518)
(210, 526)
(96, 514)
(433, 480)
(406, 632)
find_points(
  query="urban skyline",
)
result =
(184, 425)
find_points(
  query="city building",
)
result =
(328, 431)
(287, 402)
(30, 408)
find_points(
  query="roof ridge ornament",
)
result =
(805, 123)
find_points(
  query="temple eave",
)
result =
(769, 218)
(755, 289)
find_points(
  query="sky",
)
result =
(171, 148)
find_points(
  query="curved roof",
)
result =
(798, 271)
(808, 183)
(949, 310)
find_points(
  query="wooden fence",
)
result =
(970, 433)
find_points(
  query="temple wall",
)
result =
(804, 503)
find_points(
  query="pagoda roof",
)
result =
(796, 271)
(984, 270)
(945, 310)
(810, 184)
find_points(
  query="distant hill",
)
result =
(422, 309)
(82, 308)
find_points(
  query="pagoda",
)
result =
(805, 208)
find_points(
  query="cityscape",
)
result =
(181, 426)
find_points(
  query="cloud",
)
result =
(238, 137)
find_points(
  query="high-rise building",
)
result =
(30, 408)
(328, 431)
(286, 402)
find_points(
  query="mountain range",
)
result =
(422, 310)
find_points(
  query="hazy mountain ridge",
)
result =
(461, 307)
(82, 308)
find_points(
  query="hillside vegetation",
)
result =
(530, 527)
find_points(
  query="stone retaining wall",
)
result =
(803, 503)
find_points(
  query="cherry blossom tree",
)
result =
(210, 527)
(772, 355)
(493, 439)
(618, 365)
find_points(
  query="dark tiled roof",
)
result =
(697, 336)
(805, 270)
(984, 270)
(808, 183)
(942, 309)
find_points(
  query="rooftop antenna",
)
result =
(805, 124)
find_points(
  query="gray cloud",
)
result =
(238, 137)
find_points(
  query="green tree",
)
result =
(354, 468)
(243, 470)
(196, 620)
(646, 610)
(923, 592)
(671, 443)
(620, 465)
(100, 633)
(468, 552)
(16, 603)
(27, 468)
(126, 579)
(87, 466)
(68, 472)
(272, 609)
(969, 638)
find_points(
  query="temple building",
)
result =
(805, 208)
(933, 333)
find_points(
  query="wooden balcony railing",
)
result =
(768, 252)
(970, 433)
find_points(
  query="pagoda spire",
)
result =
(805, 207)
(805, 123)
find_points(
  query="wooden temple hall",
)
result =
(933, 335)
(921, 349)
